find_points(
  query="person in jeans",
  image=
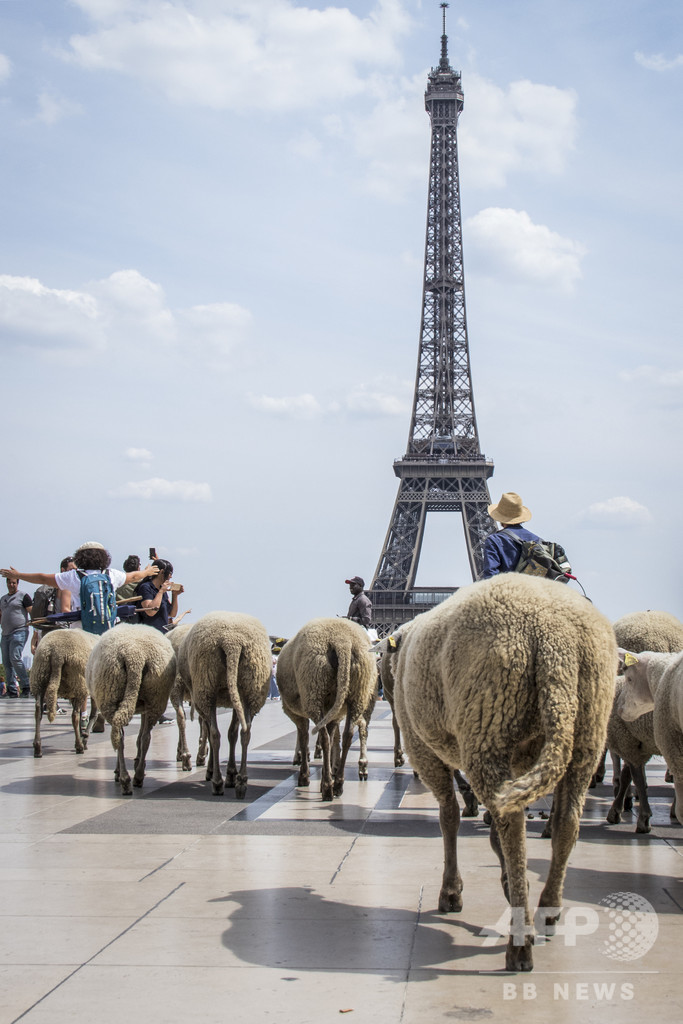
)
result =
(15, 607)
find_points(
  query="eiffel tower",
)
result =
(443, 469)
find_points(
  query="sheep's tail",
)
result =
(558, 703)
(52, 689)
(133, 666)
(232, 665)
(343, 652)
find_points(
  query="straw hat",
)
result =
(509, 510)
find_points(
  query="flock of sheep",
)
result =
(514, 686)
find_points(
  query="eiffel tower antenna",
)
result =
(443, 469)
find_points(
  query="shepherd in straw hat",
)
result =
(501, 549)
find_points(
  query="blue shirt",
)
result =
(501, 552)
(148, 592)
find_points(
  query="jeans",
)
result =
(15, 671)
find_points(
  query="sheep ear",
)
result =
(626, 658)
(630, 659)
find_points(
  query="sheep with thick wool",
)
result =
(226, 660)
(131, 669)
(634, 742)
(325, 673)
(649, 631)
(58, 670)
(653, 687)
(511, 680)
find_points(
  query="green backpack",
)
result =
(542, 558)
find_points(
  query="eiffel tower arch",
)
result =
(443, 469)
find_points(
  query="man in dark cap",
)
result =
(360, 609)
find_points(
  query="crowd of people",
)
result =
(146, 596)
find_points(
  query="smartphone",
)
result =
(152, 553)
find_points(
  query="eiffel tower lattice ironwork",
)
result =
(443, 469)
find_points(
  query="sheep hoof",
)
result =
(338, 787)
(230, 780)
(450, 902)
(643, 827)
(488, 820)
(297, 760)
(201, 761)
(363, 773)
(126, 788)
(519, 958)
(327, 793)
(628, 803)
(304, 780)
(209, 774)
(218, 788)
(241, 789)
(37, 752)
(138, 782)
(99, 724)
(399, 759)
(547, 832)
(187, 763)
(668, 777)
(471, 805)
(613, 817)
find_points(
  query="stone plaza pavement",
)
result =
(174, 905)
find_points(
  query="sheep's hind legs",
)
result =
(231, 767)
(508, 839)
(79, 745)
(121, 774)
(183, 756)
(242, 776)
(144, 735)
(215, 748)
(326, 774)
(467, 793)
(203, 743)
(37, 745)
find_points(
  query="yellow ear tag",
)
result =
(630, 659)
(392, 642)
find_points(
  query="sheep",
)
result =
(511, 679)
(635, 742)
(131, 669)
(327, 671)
(653, 688)
(226, 659)
(649, 631)
(388, 648)
(180, 693)
(58, 670)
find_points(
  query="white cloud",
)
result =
(138, 454)
(616, 513)
(510, 242)
(34, 315)
(235, 54)
(529, 127)
(661, 387)
(5, 67)
(658, 62)
(52, 108)
(158, 489)
(304, 407)
(368, 403)
(123, 310)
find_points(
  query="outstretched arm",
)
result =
(41, 579)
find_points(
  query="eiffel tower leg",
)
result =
(397, 566)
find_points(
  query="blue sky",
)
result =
(210, 285)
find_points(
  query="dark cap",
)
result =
(356, 579)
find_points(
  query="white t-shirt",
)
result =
(71, 581)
